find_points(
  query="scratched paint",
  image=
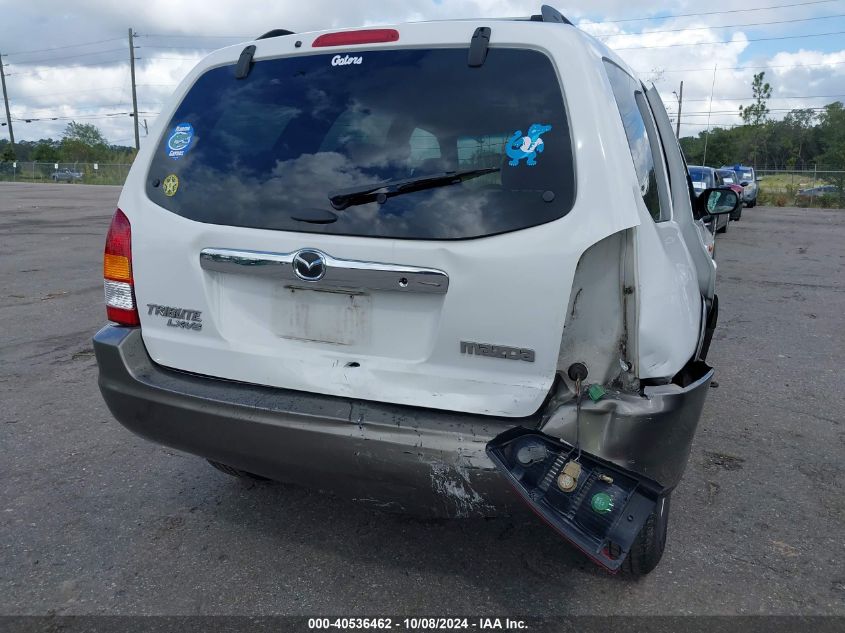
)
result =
(452, 482)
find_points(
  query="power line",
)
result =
(726, 26)
(241, 37)
(736, 112)
(66, 68)
(758, 39)
(693, 70)
(62, 57)
(689, 15)
(773, 98)
(67, 92)
(83, 107)
(189, 58)
(108, 115)
(57, 48)
(175, 48)
(250, 37)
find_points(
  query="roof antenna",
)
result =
(550, 14)
(275, 33)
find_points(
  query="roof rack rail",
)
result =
(275, 33)
(550, 14)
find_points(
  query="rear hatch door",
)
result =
(295, 229)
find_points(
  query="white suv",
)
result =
(436, 266)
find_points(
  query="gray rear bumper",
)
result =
(400, 458)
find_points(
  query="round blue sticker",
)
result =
(180, 140)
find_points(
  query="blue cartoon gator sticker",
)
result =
(526, 146)
(180, 140)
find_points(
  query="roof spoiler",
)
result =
(550, 14)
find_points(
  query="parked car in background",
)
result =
(66, 175)
(373, 276)
(822, 195)
(731, 179)
(707, 178)
(824, 190)
(748, 181)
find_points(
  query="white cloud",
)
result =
(56, 89)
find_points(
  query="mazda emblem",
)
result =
(309, 265)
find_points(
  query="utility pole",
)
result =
(680, 105)
(6, 100)
(709, 112)
(134, 93)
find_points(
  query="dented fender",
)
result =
(648, 433)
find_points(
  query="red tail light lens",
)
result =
(118, 281)
(364, 36)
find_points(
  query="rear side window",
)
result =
(625, 89)
(269, 151)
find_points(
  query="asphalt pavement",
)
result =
(94, 520)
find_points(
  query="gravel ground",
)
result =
(94, 520)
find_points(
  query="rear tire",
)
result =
(647, 549)
(235, 472)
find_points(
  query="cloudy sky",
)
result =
(69, 60)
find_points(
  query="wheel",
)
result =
(752, 204)
(647, 549)
(738, 215)
(235, 472)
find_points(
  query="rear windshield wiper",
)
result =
(381, 191)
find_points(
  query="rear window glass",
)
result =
(272, 150)
(701, 178)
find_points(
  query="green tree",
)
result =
(46, 151)
(756, 114)
(85, 133)
(797, 127)
(799, 140)
(83, 142)
(831, 131)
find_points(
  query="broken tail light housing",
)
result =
(363, 36)
(118, 282)
(600, 508)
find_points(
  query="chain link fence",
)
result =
(802, 188)
(85, 173)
